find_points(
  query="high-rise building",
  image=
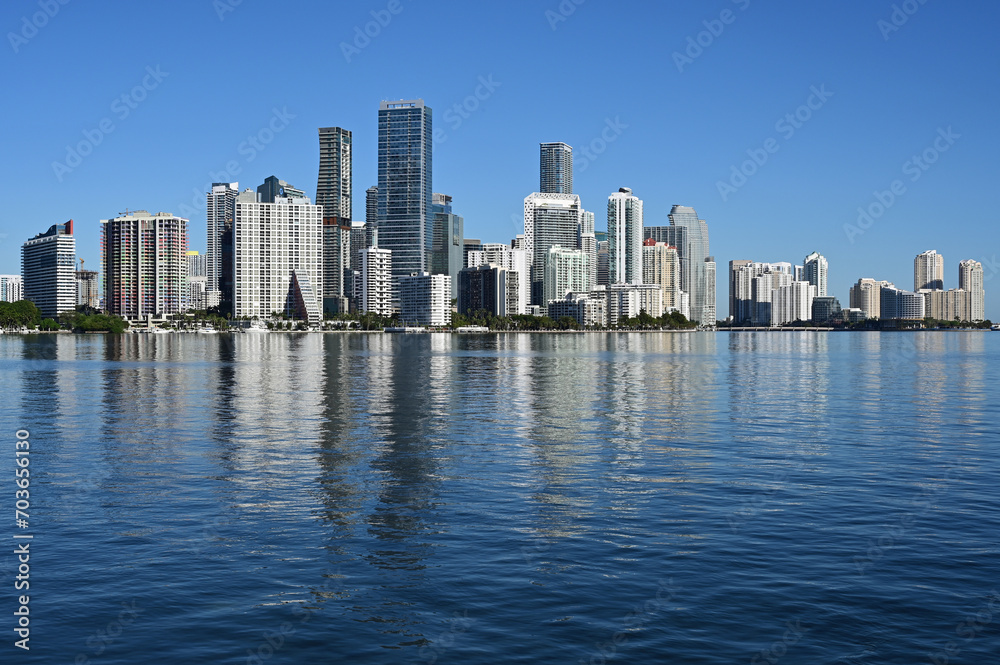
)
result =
(866, 295)
(624, 237)
(825, 309)
(48, 268)
(278, 258)
(696, 251)
(589, 311)
(751, 291)
(950, 305)
(197, 264)
(710, 314)
(740, 293)
(556, 168)
(371, 205)
(275, 188)
(791, 302)
(425, 299)
(405, 186)
(549, 220)
(88, 288)
(219, 214)
(11, 288)
(675, 236)
(511, 260)
(144, 258)
(488, 287)
(373, 287)
(603, 267)
(814, 271)
(566, 271)
(333, 193)
(928, 271)
(197, 293)
(899, 304)
(448, 253)
(333, 187)
(359, 241)
(970, 278)
(661, 266)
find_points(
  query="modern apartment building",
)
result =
(278, 258)
(425, 299)
(556, 168)
(144, 257)
(625, 238)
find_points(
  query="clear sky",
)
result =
(162, 98)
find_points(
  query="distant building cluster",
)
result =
(272, 252)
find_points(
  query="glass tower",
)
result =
(556, 168)
(405, 196)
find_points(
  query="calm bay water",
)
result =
(621, 498)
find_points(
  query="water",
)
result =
(620, 498)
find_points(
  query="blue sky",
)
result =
(165, 97)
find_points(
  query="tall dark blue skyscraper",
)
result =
(405, 188)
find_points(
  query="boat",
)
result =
(208, 330)
(405, 329)
(256, 326)
(996, 326)
(161, 331)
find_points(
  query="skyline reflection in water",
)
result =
(436, 498)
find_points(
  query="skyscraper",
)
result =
(371, 205)
(866, 295)
(549, 220)
(278, 254)
(624, 237)
(88, 290)
(675, 236)
(197, 264)
(970, 279)
(814, 271)
(567, 270)
(556, 169)
(333, 187)
(405, 185)
(928, 271)
(374, 284)
(447, 255)
(696, 251)
(514, 261)
(145, 264)
(661, 266)
(48, 266)
(219, 213)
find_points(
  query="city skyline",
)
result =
(847, 156)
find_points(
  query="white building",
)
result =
(425, 299)
(198, 293)
(928, 271)
(626, 301)
(624, 238)
(511, 260)
(374, 284)
(970, 278)
(11, 288)
(814, 270)
(220, 213)
(48, 266)
(549, 220)
(589, 311)
(566, 271)
(792, 302)
(278, 258)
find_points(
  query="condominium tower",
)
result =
(556, 168)
(624, 238)
(48, 266)
(928, 271)
(405, 186)
(145, 264)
